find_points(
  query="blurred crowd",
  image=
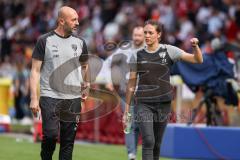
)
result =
(103, 21)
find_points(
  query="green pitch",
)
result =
(22, 149)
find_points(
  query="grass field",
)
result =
(23, 149)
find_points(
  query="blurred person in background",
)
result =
(118, 71)
(7, 69)
(22, 91)
(153, 96)
(54, 54)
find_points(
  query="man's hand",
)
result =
(125, 119)
(85, 88)
(34, 106)
(109, 86)
(127, 122)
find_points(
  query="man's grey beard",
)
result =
(138, 44)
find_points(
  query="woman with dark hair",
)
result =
(153, 96)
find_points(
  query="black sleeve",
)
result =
(39, 49)
(84, 56)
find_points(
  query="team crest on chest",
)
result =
(162, 54)
(163, 58)
(74, 47)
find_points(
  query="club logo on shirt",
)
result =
(163, 59)
(162, 55)
(74, 47)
